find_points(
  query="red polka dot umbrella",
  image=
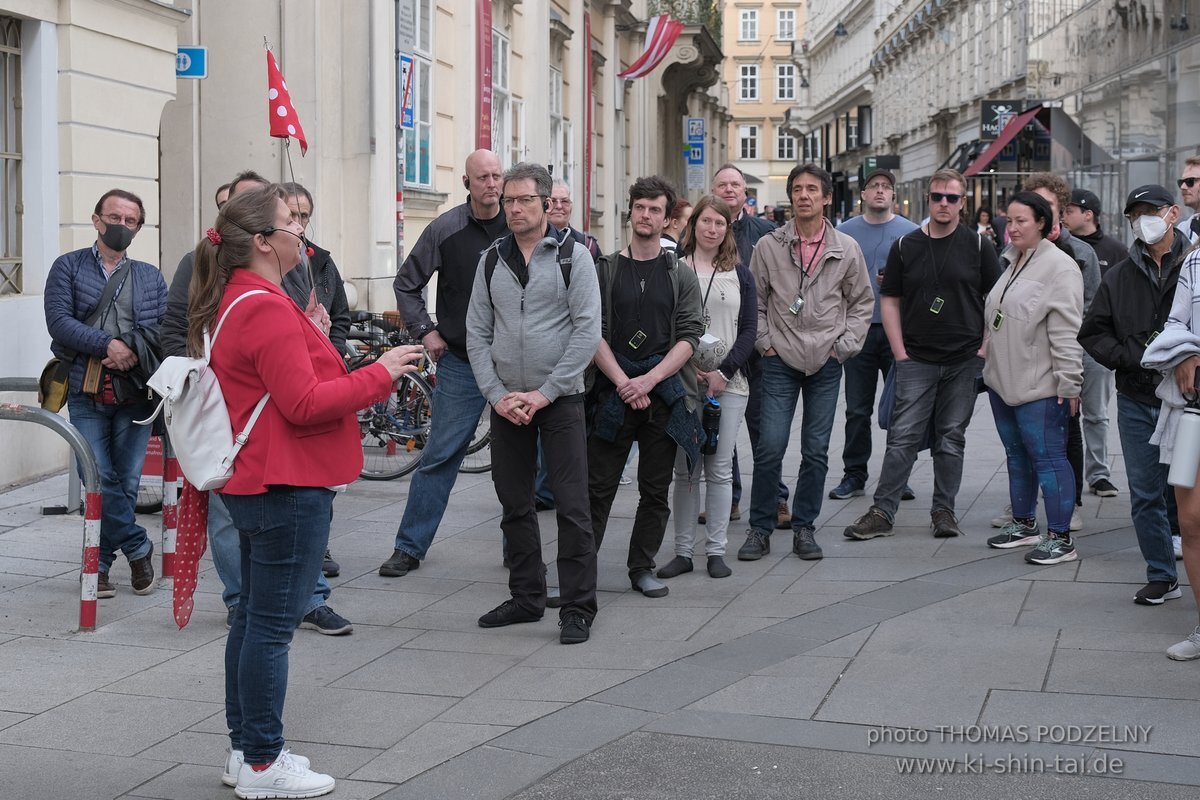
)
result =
(283, 118)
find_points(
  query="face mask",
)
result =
(1150, 228)
(116, 237)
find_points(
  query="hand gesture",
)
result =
(401, 360)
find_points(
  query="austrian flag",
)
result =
(283, 118)
(660, 35)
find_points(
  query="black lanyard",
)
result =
(704, 302)
(1017, 270)
(811, 262)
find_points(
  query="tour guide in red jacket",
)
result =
(303, 446)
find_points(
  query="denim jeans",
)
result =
(226, 549)
(1151, 500)
(862, 378)
(717, 469)
(1097, 391)
(1034, 436)
(946, 394)
(283, 535)
(753, 412)
(120, 448)
(457, 405)
(782, 387)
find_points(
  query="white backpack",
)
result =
(196, 418)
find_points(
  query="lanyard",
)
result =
(1018, 268)
(804, 268)
(704, 302)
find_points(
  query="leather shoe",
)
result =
(758, 544)
(717, 568)
(649, 585)
(507, 613)
(783, 517)
(677, 566)
(141, 574)
(399, 565)
(908, 493)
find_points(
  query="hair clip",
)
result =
(213, 236)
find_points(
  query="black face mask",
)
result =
(117, 237)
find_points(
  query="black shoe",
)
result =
(758, 544)
(849, 487)
(141, 574)
(1155, 593)
(908, 493)
(324, 619)
(717, 568)
(399, 565)
(677, 566)
(507, 613)
(649, 586)
(553, 597)
(573, 628)
(104, 588)
(804, 544)
(330, 567)
(541, 505)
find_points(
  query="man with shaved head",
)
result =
(451, 247)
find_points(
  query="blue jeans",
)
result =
(457, 405)
(1034, 436)
(226, 549)
(753, 412)
(782, 386)
(283, 535)
(862, 378)
(945, 394)
(120, 448)
(1151, 500)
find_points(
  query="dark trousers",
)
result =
(1075, 454)
(656, 464)
(862, 373)
(753, 413)
(514, 467)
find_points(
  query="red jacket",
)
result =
(307, 434)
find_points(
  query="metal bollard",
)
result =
(170, 512)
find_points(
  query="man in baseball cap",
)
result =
(1082, 218)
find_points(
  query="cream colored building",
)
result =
(763, 82)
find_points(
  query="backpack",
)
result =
(566, 253)
(194, 411)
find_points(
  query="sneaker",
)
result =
(908, 493)
(675, 567)
(804, 544)
(324, 619)
(1076, 520)
(625, 480)
(1052, 549)
(330, 567)
(284, 778)
(1004, 520)
(944, 524)
(849, 487)
(1177, 545)
(104, 589)
(1155, 593)
(1104, 488)
(758, 544)
(141, 574)
(783, 516)
(717, 568)
(508, 613)
(399, 565)
(540, 505)
(573, 628)
(553, 597)
(869, 525)
(1016, 534)
(233, 765)
(735, 513)
(1188, 649)
(702, 518)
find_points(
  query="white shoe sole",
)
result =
(1175, 594)
(271, 794)
(1073, 555)
(1026, 542)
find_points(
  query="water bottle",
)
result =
(1186, 458)
(710, 423)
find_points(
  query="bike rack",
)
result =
(91, 482)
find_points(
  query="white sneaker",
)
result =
(1177, 543)
(285, 778)
(1188, 649)
(1076, 520)
(1004, 519)
(233, 763)
(625, 480)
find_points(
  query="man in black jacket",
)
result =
(1129, 310)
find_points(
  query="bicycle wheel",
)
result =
(479, 452)
(394, 431)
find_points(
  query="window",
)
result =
(785, 146)
(11, 211)
(418, 143)
(748, 27)
(748, 83)
(556, 162)
(748, 141)
(851, 132)
(812, 148)
(785, 24)
(502, 109)
(785, 82)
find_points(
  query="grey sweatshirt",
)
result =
(540, 336)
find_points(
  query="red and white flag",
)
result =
(661, 34)
(284, 120)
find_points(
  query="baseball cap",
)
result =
(1151, 193)
(881, 173)
(1087, 201)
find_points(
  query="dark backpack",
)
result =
(566, 254)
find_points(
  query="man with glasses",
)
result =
(874, 230)
(1189, 188)
(932, 309)
(98, 300)
(450, 246)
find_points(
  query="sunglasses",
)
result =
(1188, 182)
(937, 197)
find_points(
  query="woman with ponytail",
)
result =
(304, 447)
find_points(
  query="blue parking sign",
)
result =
(191, 62)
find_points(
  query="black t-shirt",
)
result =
(953, 275)
(642, 301)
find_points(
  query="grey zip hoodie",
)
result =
(540, 336)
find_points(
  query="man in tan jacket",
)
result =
(814, 309)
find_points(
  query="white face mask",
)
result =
(1150, 228)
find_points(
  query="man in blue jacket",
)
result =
(98, 302)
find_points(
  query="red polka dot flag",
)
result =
(284, 120)
(190, 543)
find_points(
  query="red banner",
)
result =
(587, 113)
(483, 74)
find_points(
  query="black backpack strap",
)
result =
(489, 269)
(566, 256)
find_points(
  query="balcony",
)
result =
(690, 12)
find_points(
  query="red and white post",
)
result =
(170, 513)
(91, 562)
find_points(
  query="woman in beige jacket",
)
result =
(1034, 371)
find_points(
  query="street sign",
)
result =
(191, 62)
(406, 92)
(695, 129)
(695, 153)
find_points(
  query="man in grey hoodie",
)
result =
(533, 325)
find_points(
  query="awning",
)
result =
(1006, 135)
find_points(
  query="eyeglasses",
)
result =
(117, 219)
(561, 201)
(1188, 182)
(525, 200)
(877, 185)
(937, 197)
